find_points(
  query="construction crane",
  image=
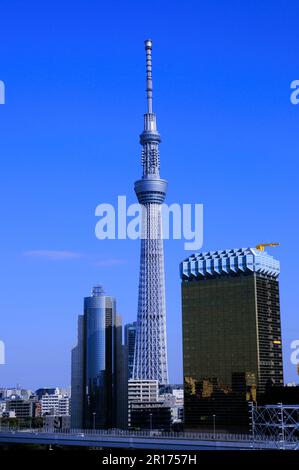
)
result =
(261, 246)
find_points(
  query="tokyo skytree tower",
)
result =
(150, 358)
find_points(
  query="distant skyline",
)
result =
(69, 140)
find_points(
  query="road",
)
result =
(127, 441)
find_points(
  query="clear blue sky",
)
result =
(74, 74)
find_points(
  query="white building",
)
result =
(179, 396)
(142, 391)
(175, 401)
(55, 405)
(23, 393)
(2, 406)
(64, 406)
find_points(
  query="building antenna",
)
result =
(149, 79)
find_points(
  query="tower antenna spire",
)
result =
(149, 81)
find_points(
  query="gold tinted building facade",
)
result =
(231, 335)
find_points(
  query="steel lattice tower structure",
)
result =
(150, 358)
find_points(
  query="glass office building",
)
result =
(231, 335)
(99, 318)
(95, 375)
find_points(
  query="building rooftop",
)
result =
(225, 262)
(97, 291)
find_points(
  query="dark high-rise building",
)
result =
(78, 378)
(130, 336)
(121, 378)
(288, 395)
(95, 373)
(231, 335)
(22, 408)
(149, 415)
